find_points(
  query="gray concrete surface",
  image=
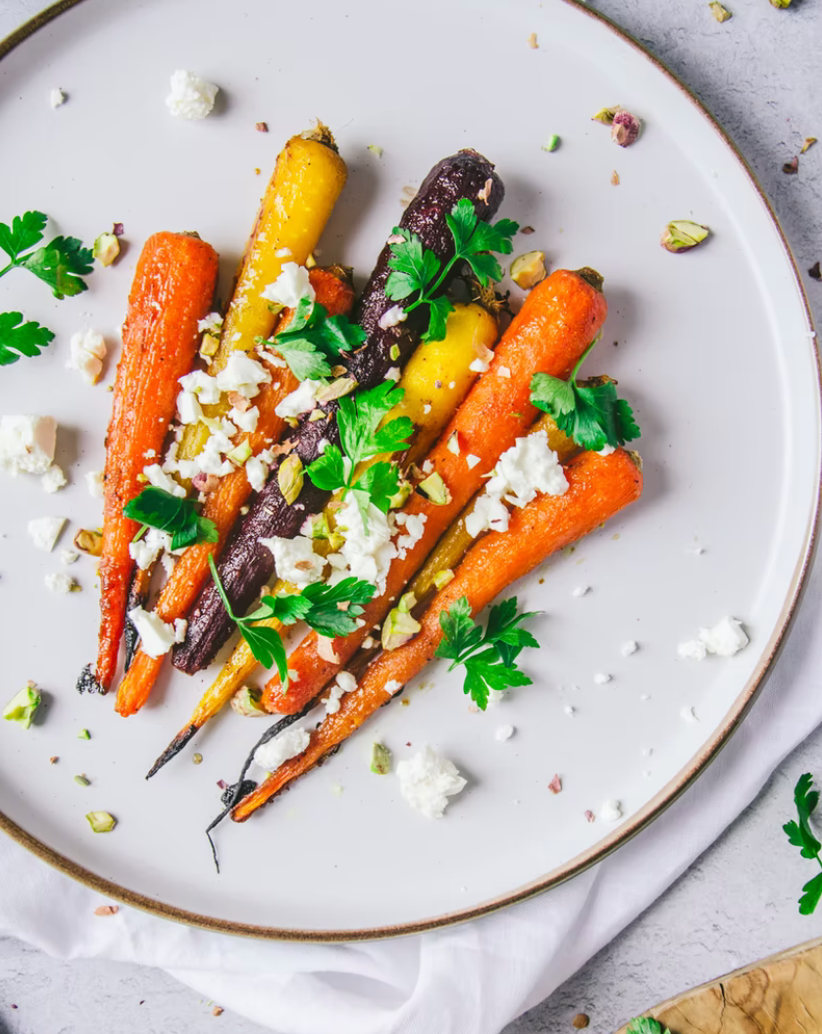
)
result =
(759, 74)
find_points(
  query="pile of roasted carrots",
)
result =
(467, 388)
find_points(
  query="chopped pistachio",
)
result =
(407, 602)
(290, 477)
(81, 780)
(84, 734)
(552, 143)
(394, 352)
(23, 706)
(453, 444)
(398, 628)
(528, 269)
(209, 345)
(442, 578)
(106, 248)
(246, 701)
(376, 150)
(310, 262)
(336, 389)
(532, 41)
(315, 415)
(722, 14)
(781, 4)
(197, 759)
(615, 178)
(606, 115)
(88, 541)
(54, 759)
(436, 489)
(101, 821)
(239, 454)
(335, 541)
(809, 142)
(319, 526)
(682, 234)
(625, 128)
(401, 495)
(380, 759)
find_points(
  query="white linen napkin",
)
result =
(471, 979)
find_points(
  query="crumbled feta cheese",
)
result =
(94, 483)
(210, 459)
(60, 582)
(45, 531)
(504, 732)
(156, 637)
(365, 555)
(296, 560)
(478, 365)
(601, 678)
(369, 643)
(503, 371)
(243, 375)
(189, 410)
(688, 714)
(68, 556)
(726, 638)
(146, 550)
(180, 629)
(288, 744)
(570, 711)
(427, 781)
(391, 317)
(27, 444)
(453, 444)
(56, 97)
(426, 408)
(611, 811)
(88, 350)
(256, 471)
(202, 385)
(471, 460)
(629, 647)
(332, 701)
(54, 479)
(393, 374)
(392, 687)
(489, 514)
(606, 450)
(528, 467)
(158, 477)
(247, 420)
(414, 526)
(291, 285)
(191, 97)
(167, 561)
(301, 400)
(211, 324)
(325, 649)
(581, 590)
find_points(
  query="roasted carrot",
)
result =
(172, 290)
(470, 332)
(598, 488)
(557, 321)
(304, 187)
(222, 506)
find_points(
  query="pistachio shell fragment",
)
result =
(101, 821)
(809, 142)
(625, 128)
(290, 477)
(239, 454)
(90, 542)
(682, 234)
(781, 4)
(319, 526)
(528, 269)
(336, 389)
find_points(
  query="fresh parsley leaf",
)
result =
(591, 414)
(286, 609)
(20, 338)
(645, 1025)
(62, 265)
(802, 836)
(313, 339)
(325, 615)
(488, 657)
(156, 508)
(25, 231)
(417, 270)
(267, 646)
(380, 483)
(328, 471)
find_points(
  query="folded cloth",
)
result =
(470, 979)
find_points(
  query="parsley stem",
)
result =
(221, 590)
(140, 533)
(6, 269)
(572, 379)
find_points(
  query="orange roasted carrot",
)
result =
(558, 320)
(223, 504)
(172, 290)
(598, 487)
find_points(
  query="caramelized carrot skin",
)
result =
(223, 506)
(598, 488)
(172, 290)
(558, 320)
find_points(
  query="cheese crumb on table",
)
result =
(601, 678)
(56, 97)
(629, 647)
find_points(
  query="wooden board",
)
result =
(779, 995)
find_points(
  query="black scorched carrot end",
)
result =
(183, 737)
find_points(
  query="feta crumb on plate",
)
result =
(54, 479)
(427, 781)
(45, 531)
(57, 97)
(27, 443)
(601, 678)
(726, 638)
(504, 732)
(59, 582)
(629, 647)
(611, 811)
(191, 97)
(687, 714)
(68, 556)
(581, 590)
(88, 350)
(94, 483)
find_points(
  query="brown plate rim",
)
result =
(652, 809)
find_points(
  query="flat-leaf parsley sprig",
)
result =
(416, 269)
(358, 419)
(646, 1025)
(489, 657)
(589, 413)
(61, 264)
(319, 605)
(156, 508)
(802, 836)
(313, 340)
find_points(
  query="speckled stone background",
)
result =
(760, 75)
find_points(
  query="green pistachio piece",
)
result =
(290, 477)
(407, 602)
(722, 14)
(606, 115)
(88, 541)
(394, 352)
(436, 489)
(380, 759)
(401, 495)
(398, 628)
(84, 734)
(336, 389)
(682, 234)
(239, 454)
(528, 269)
(442, 578)
(23, 706)
(552, 143)
(209, 345)
(246, 701)
(106, 248)
(101, 821)
(781, 4)
(319, 526)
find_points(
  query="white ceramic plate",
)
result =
(714, 349)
